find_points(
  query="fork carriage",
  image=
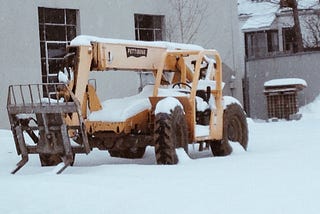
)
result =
(32, 111)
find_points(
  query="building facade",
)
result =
(270, 49)
(34, 36)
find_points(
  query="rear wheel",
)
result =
(235, 128)
(170, 133)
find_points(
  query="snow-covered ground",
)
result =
(280, 173)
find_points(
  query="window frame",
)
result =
(261, 43)
(155, 29)
(66, 23)
(288, 34)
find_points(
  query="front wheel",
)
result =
(235, 128)
(49, 159)
(170, 133)
(131, 153)
(53, 159)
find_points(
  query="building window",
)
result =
(57, 27)
(289, 40)
(273, 41)
(282, 100)
(255, 44)
(261, 43)
(282, 105)
(148, 27)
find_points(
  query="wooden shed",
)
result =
(282, 97)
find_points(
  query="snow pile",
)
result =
(201, 104)
(65, 76)
(227, 100)
(312, 110)
(120, 109)
(85, 40)
(167, 105)
(203, 84)
(202, 131)
(51, 100)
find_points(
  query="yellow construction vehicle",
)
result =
(183, 105)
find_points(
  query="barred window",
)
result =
(57, 27)
(148, 27)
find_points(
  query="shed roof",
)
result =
(285, 84)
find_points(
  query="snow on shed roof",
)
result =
(86, 41)
(285, 81)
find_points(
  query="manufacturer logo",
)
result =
(136, 52)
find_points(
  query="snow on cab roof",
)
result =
(85, 40)
(285, 81)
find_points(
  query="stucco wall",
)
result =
(305, 66)
(19, 38)
(19, 48)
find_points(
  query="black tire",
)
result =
(49, 160)
(131, 153)
(170, 133)
(220, 147)
(180, 128)
(52, 160)
(235, 128)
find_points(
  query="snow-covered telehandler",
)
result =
(184, 105)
